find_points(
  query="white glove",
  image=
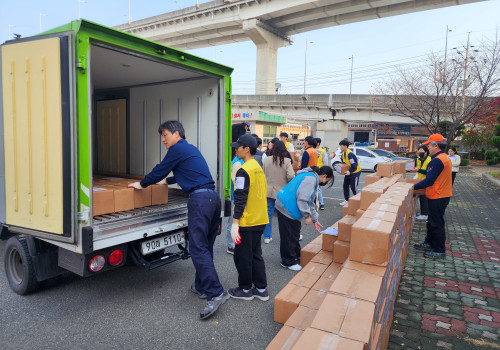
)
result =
(235, 235)
(347, 173)
(162, 182)
(136, 185)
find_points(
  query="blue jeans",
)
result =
(268, 231)
(320, 196)
(229, 239)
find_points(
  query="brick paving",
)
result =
(454, 303)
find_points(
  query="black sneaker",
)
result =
(435, 255)
(264, 296)
(238, 293)
(321, 207)
(213, 305)
(230, 250)
(423, 246)
(195, 291)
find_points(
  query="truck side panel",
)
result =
(2, 157)
(33, 135)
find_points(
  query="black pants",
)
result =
(436, 234)
(203, 226)
(289, 239)
(351, 181)
(453, 175)
(249, 262)
(424, 205)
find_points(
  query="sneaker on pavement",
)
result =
(343, 203)
(300, 237)
(230, 250)
(435, 255)
(295, 267)
(238, 293)
(322, 207)
(423, 246)
(195, 291)
(422, 217)
(268, 240)
(264, 296)
(213, 305)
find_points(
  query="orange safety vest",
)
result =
(313, 157)
(442, 187)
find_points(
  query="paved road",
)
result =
(130, 308)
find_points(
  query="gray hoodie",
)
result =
(304, 192)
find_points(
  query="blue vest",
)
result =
(288, 195)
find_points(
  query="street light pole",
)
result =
(352, 65)
(305, 66)
(465, 81)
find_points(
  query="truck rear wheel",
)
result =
(19, 266)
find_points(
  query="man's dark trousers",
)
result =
(436, 234)
(352, 181)
(289, 239)
(204, 209)
(248, 260)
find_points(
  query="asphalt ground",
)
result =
(130, 308)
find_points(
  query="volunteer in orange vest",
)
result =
(310, 156)
(438, 190)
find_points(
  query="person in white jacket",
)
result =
(455, 162)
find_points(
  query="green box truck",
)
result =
(83, 99)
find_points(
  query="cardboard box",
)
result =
(369, 195)
(328, 241)
(359, 285)
(314, 299)
(317, 240)
(341, 168)
(371, 241)
(304, 279)
(385, 169)
(103, 201)
(314, 268)
(345, 225)
(316, 339)
(359, 213)
(301, 318)
(309, 252)
(373, 269)
(332, 271)
(371, 179)
(386, 207)
(340, 251)
(354, 204)
(159, 194)
(346, 317)
(142, 198)
(345, 210)
(124, 198)
(285, 339)
(382, 215)
(323, 257)
(323, 284)
(399, 167)
(287, 301)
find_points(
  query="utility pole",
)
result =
(465, 81)
(128, 12)
(305, 67)
(445, 53)
(352, 65)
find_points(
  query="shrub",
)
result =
(497, 160)
(464, 162)
(496, 141)
(491, 154)
(479, 155)
(491, 162)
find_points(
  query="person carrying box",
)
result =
(351, 178)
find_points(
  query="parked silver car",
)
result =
(367, 158)
(389, 154)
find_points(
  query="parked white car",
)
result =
(366, 157)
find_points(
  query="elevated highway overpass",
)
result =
(268, 23)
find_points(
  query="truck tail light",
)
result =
(115, 258)
(97, 263)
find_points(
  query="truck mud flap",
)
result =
(153, 263)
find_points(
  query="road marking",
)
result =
(338, 199)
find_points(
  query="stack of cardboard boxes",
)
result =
(344, 296)
(111, 195)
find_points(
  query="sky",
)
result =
(377, 46)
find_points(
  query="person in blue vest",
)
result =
(190, 171)
(297, 200)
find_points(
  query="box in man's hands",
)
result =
(341, 168)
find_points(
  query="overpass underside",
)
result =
(269, 24)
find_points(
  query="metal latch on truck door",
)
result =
(81, 63)
(83, 216)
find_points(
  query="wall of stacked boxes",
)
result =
(344, 296)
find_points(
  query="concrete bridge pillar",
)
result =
(267, 55)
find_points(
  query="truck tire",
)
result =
(19, 266)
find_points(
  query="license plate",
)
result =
(160, 243)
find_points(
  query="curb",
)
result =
(491, 179)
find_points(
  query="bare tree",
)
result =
(450, 92)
